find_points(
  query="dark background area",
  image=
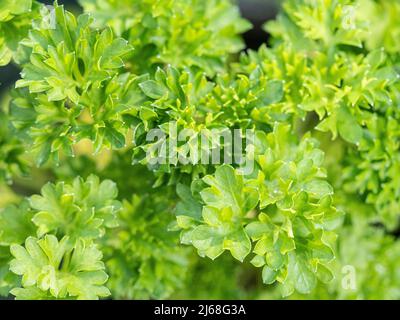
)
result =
(256, 11)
